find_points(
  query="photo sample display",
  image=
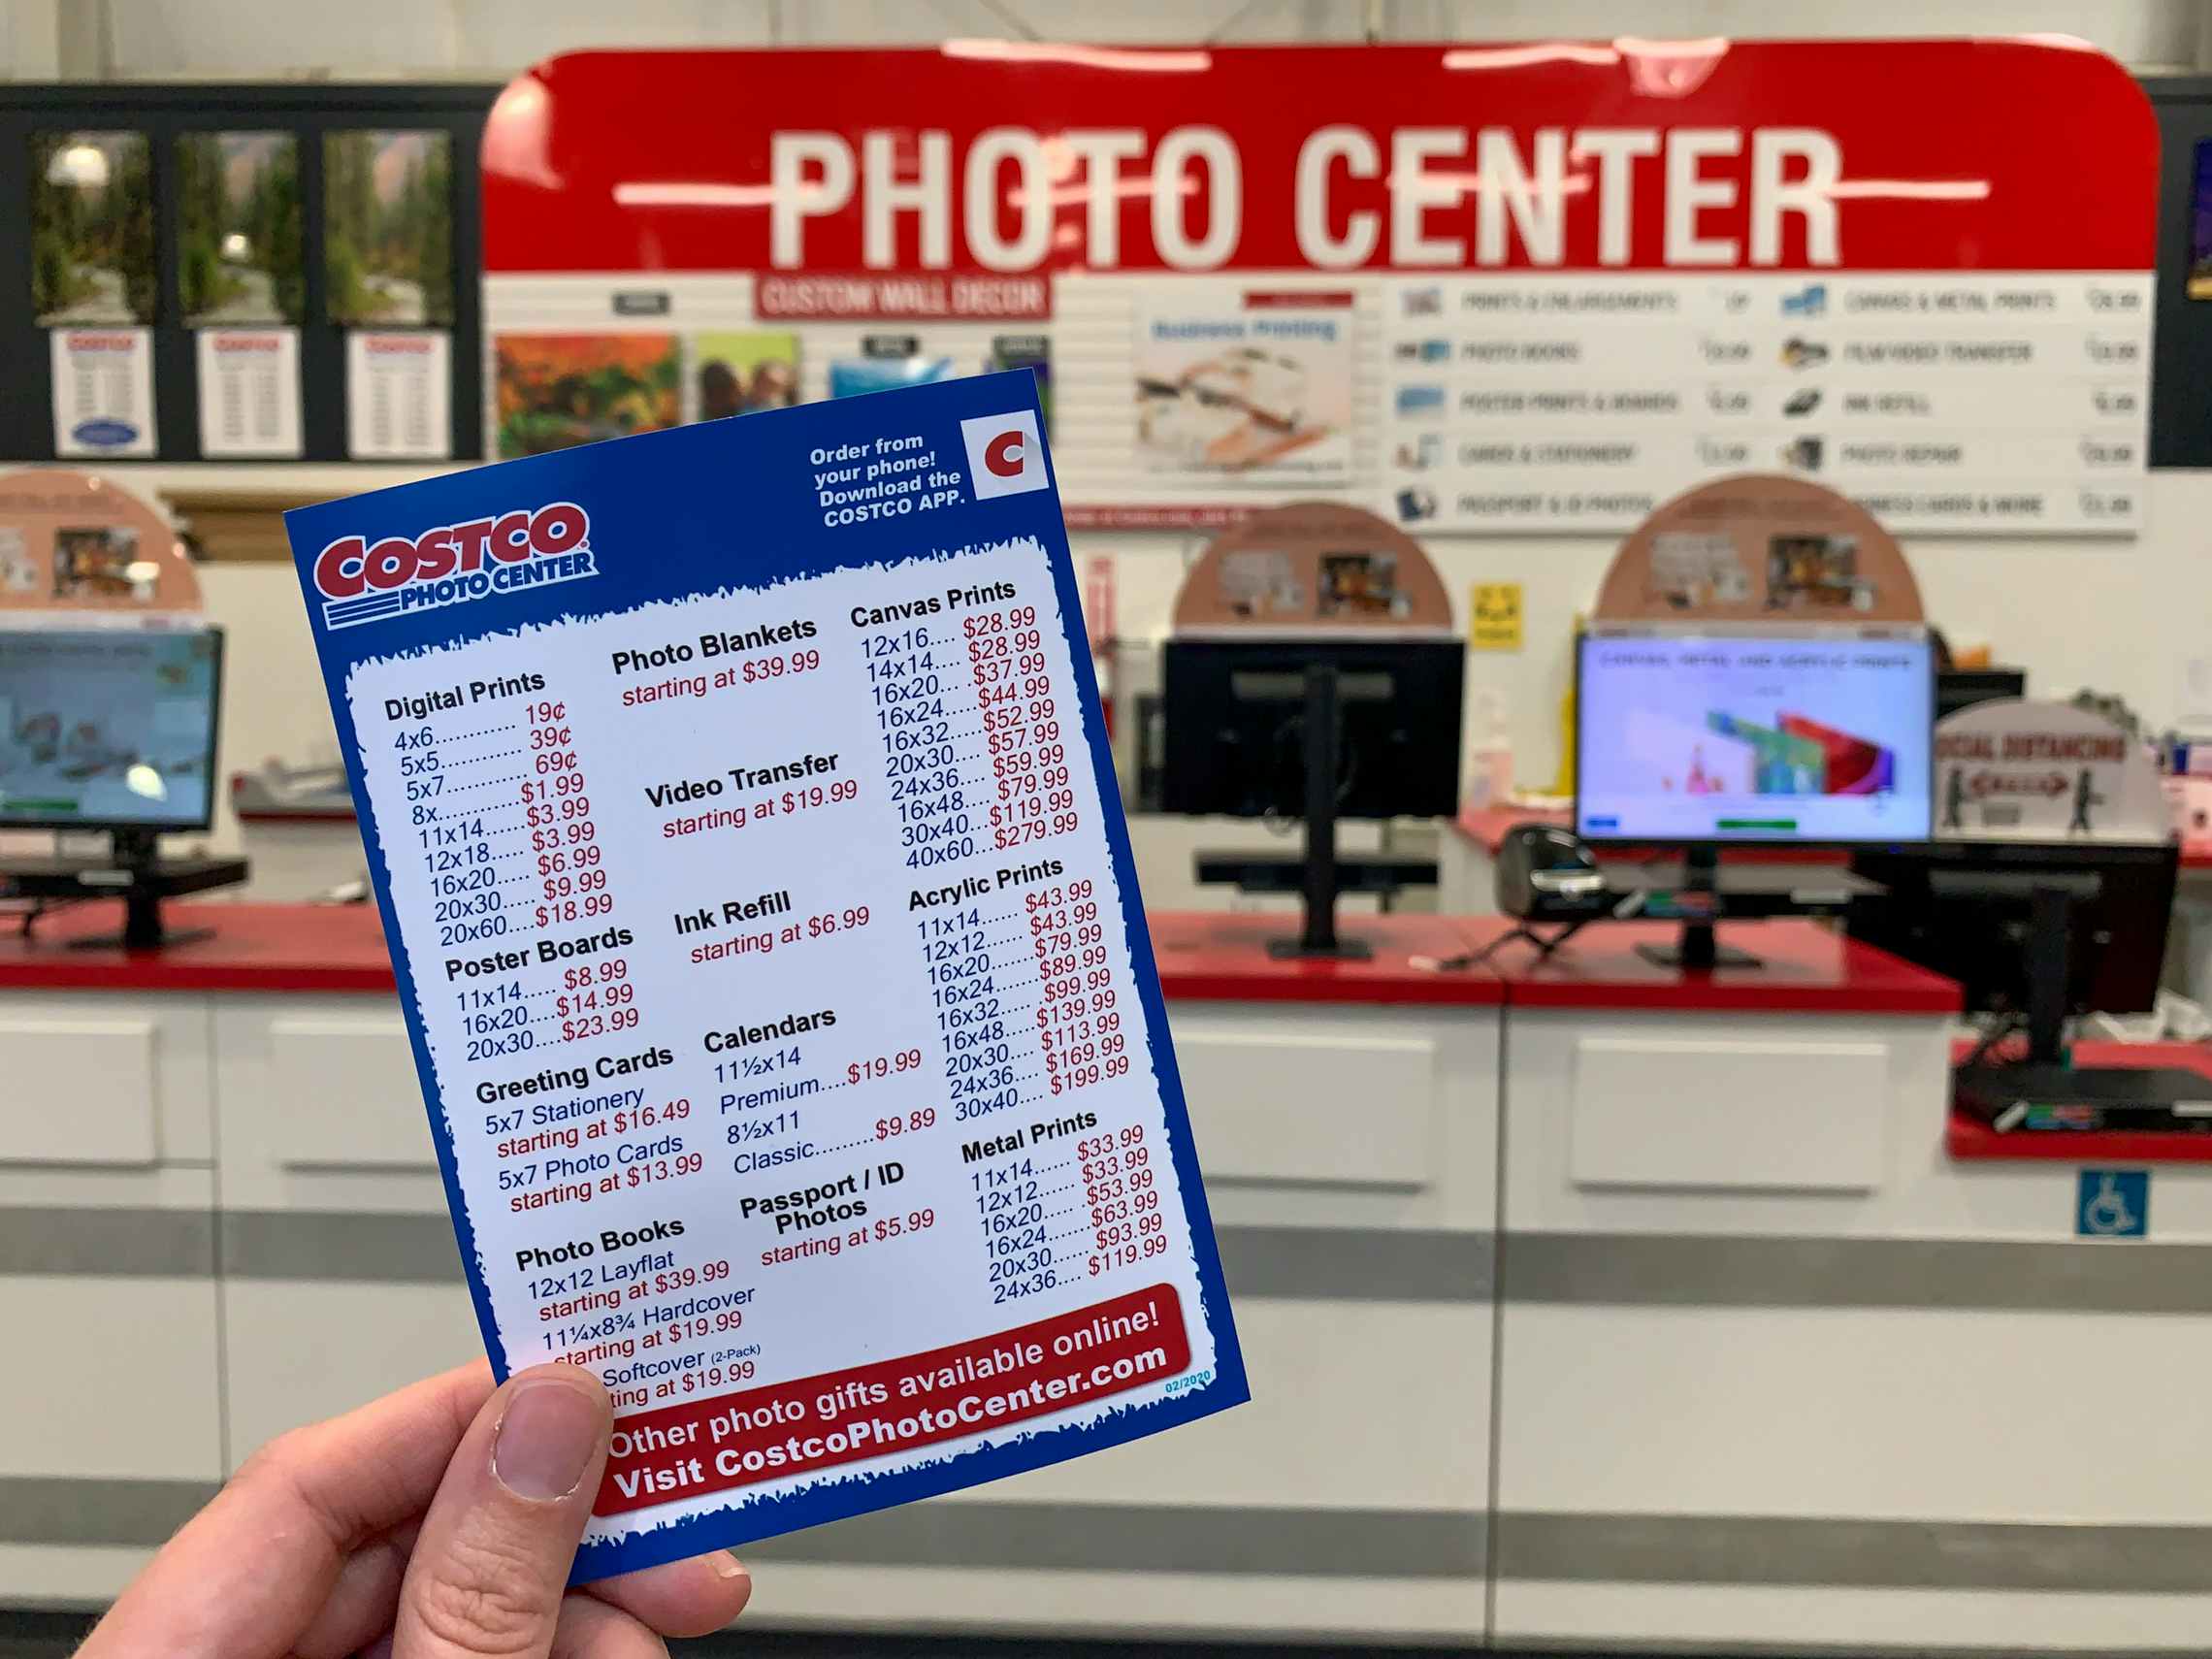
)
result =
(555, 391)
(888, 361)
(744, 372)
(92, 260)
(1031, 351)
(239, 258)
(1247, 385)
(388, 228)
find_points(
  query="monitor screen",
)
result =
(1236, 726)
(1683, 740)
(108, 729)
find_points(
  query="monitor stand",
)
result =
(2045, 1090)
(1698, 951)
(1318, 936)
(135, 873)
(2049, 953)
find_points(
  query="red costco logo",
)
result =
(362, 581)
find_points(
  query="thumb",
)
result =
(492, 1560)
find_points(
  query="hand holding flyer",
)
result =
(738, 805)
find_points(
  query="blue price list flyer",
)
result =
(739, 808)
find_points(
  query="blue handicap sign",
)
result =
(2113, 1204)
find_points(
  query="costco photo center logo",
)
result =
(361, 581)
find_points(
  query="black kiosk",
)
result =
(2038, 933)
(1314, 675)
(1317, 731)
(2047, 894)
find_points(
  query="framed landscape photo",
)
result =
(388, 228)
(239, 255)
(92, 248)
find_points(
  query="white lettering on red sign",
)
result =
(1490, 193)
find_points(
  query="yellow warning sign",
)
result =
(1494, 616)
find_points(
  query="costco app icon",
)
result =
(1005, 455)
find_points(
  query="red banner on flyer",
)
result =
(895, 1405)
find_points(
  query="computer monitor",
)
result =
(109, 728)
(1317, 730)
(2036, 932)
(1235, 716)
(1709, 740)
(1962, 688)
(1964, 909)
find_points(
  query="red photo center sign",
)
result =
(1477, 288)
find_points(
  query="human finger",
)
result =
(588, 1629)
(683, 1598)
(248, 1575)
(491, 1565)
(696, 1597)
(363, 1600)
(591, 1629)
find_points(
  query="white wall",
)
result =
(493, 39)
(30, 40)
(2117, 615)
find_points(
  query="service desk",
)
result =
(1778, 1350)
(1467, 855)
(1777, 1370)
(222, 1213)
